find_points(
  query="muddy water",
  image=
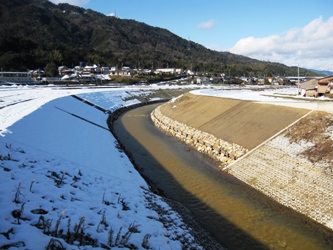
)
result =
(236, 215)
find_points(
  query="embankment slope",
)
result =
(242, 122)
(294, 167)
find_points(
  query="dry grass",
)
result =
(316, 128)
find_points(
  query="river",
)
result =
(236, 215)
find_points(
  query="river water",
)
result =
(236, 215)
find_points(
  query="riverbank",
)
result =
(287, 165)
(61, 164)
(236, 214)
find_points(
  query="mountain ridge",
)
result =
(322, 72)
(44, 34)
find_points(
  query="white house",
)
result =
(172, 71)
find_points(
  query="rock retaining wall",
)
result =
(222, 151)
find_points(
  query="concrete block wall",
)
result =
(222, 151)
(289, 179)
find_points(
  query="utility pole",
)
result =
(229, 76)
(298, 79)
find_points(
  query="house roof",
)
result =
(310, 84)
(325, 80)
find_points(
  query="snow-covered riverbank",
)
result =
(65, 182)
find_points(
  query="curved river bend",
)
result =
(236, 215)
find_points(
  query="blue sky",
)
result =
(292, 32)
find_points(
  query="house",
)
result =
(102, 77)
(216, 80)
(190, 72)
(171, 71)
(261, 81)
(146, 71)
(95, 69)
(88, 70)
(202, 80)
(125, 71)
(62, 70)
(78, 70)
(86, 78)
(309, 88)
(105, 70)
(283, 81)
(325, 85)
(125, 68)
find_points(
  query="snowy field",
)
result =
(260, 94)
(65, 183)
(276, 96)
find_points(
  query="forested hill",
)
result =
(38, 34)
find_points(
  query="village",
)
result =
(310, 86)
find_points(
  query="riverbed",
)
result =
(236, 215)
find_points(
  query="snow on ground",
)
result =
(260, 95)
(65, 183)
(286, 96)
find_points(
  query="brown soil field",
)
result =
(242, 122)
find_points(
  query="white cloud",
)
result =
(72, 2)
(206, 25)
(308, 47)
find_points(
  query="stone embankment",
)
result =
(222, 151)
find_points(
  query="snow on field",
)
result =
(261, 94)
(278, 95)
(64, 182)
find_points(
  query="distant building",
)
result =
(325, 85)
(309, 88)
(88, 70)
(202, 80)
(62, 70)
(21, 77)
(316, 87)
(171, 71)
(105, 70)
